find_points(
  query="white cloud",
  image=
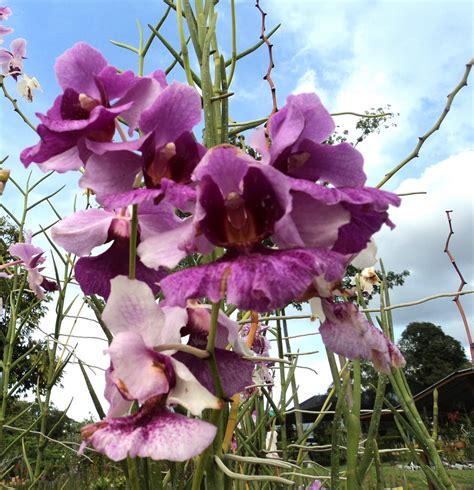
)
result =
(370, 54)
(418, 241)
(308, 82)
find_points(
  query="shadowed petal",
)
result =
(341, 165)
(94, 273)
(235, 372)
(119, 406)
(112, 172)
(347, 332)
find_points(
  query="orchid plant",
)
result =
(195, 231)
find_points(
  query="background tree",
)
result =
(430, 354)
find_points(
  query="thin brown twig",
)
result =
(271, 64)
(461, 285)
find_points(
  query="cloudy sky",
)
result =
(356, 55)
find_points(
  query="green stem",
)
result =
(184, 46)
(371, 442)
(378, 468)
(336, 432)
(207, 88)
(215, 414)
(234, 43)
(283, 383)
(353, 430)
(14, 104)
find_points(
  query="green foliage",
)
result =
(430, 354)
(24, 342)
(378, 119)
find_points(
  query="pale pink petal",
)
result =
(139, 372)
(168, 248)
(132, 307)
(80, 232)
(18, 47)
(367, 257)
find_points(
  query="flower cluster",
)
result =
(146, 368)
(11, 60)
(279, 228)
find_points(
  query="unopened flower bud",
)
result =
(4, 174)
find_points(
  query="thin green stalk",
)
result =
(294, 388)
(133, 476)
(174, 53)
(336, 433)
(353, 430)
(207, 88)
(215, 414)
(434, 435)
(149, 42)
(233, 59)
(378, 467)
(253, 48)
(224, 129)
(184, 46)
(283, 383)
(192, 27)
(405, 398)
(51, 377)
(371, 442)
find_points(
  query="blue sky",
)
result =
(356, 55)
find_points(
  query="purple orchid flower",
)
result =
(31, 258)
(348, 217)
(296, 133)
(81, 232)
(5, 12)
(156, 380)
(12, 61)
(239, 204)
(169, 150)
(94, 95)
(346, 331)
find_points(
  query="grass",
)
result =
(415, 480)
